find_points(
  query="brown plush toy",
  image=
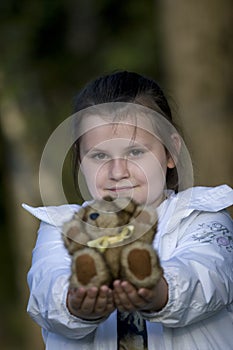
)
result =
(112, 239)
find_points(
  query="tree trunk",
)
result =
(198, 52)
(20, 183)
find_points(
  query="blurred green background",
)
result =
(49, 49)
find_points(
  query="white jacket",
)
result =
(195, 244)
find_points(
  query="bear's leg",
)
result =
(140, 265)
(89, 269)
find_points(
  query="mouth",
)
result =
(121, 189)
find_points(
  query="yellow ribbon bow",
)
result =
(102, 243)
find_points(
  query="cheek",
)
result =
(94, 174)
(101, 172)
(153, 167)
(160, 162)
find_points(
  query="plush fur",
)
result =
(112, 239)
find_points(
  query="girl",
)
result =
(126, 146)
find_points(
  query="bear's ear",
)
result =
(126, 204)
(145, 215)
(80, 214)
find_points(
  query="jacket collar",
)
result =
(174, 209)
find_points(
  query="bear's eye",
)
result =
(94, 216)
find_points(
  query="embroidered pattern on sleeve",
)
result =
(214, 232)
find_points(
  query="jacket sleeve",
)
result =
(199, 272)
(48, 280)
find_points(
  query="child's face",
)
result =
(126, 161)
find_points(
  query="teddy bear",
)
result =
(111, 239)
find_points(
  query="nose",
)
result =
(118, 169)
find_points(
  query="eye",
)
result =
(94, 216)
(100, 156)
(136, 152)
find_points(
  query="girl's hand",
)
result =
(128, 298)
(90, 304)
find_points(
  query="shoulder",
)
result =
(53, 215)
(211, 199)
(207, 199)
(188, 204)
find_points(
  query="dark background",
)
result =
(48, 50)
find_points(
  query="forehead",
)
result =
(118, 134)
(90, 121)
(96, 129)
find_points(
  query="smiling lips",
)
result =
(122, 188)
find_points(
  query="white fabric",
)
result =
(195, 245)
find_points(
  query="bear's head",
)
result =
(122, 220)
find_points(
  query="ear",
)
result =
(172, 159)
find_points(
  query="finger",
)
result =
(92, 292)
(119, 290)
(129, 289)
(132, 293)
(89, 301)
(146, 294)
(116, 299)
(121, 298)
(102, 299)
(116, 284)
(109, 296)
(75, 297)
(135, 300)
(110, 302)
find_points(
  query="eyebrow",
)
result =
(132, 146)
(92, 149)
